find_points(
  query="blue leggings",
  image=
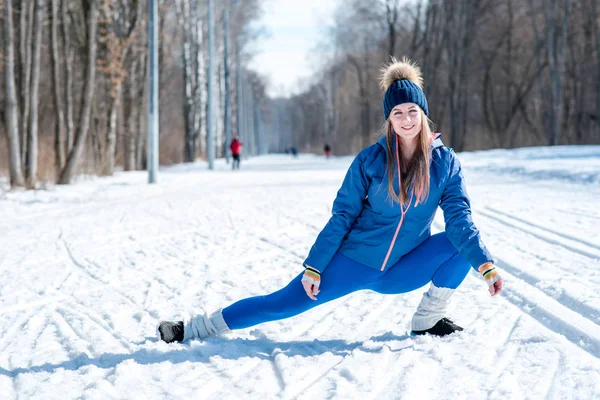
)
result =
(435, 260)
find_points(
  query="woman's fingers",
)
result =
(496, 288)
(308, 288)
(499, 284)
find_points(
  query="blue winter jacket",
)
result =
(364, 218)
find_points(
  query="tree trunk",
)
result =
(560, 72)
(556, 62)
(539, 43)
(57, 85)
(188, 80)
(12, 109)
(68, 54)
(111, 137)
(25, 70)
(131, 130)
(596, 32)
(392, 18)
(84, 120)
(364, 109)
(200, 93)
(32, 148)
(141, 115)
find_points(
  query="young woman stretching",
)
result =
(379, 236)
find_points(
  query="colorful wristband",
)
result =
(312, 275)
(489, 273)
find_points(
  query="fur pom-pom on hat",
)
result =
(397, 70)
(402, 83)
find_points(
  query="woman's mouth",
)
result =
(408, 128)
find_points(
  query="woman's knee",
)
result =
(290, 300)
(452, 272)
(442, 244)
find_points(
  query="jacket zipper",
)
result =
(402, 211)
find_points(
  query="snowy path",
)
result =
(87, 271)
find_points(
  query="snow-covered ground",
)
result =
(87, 271)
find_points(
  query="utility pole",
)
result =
(210, 141)
(152, 149)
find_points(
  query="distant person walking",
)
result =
(294, 152)
(379, 235)
(327, 150)
(236, 152)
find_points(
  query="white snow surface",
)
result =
(87, 271)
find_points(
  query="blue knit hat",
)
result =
(402, 82)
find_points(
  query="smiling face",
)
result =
(406, 120)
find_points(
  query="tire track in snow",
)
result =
(16, 327)
(84, 206)
(365, 323)
(542, 228)
(557, 369)
(46, 300)
(501, 361)
(300, 221)
(84, 270)
(566, 300)
(579, 213)
(68, 332)
(557, 317)
(108, 284)
(575, 246)
(226, 379)
(287, 250)
(87, 313)
(116, 246)
(553, 315)
(576, 305)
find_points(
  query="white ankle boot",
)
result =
(204, 326)
(432, 308)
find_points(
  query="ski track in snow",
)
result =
(89, 270)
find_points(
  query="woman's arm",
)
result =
(460, 229)
(346, 208)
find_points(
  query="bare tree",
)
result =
(91, 8)
(555, 30)
(59, 142)
(119, 26)
(26, 28)
(68, 56)
(391, 8)
(596, 32)
(31, 167)
(12, 111)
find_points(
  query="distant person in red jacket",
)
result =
(236, 151)
(327, 150)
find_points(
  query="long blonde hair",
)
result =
(416, 171)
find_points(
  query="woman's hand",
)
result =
(492, 277)
(496, 287)
(311, 281)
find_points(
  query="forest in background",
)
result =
(498, 73)
(73, 93)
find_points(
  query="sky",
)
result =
(288, 51)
